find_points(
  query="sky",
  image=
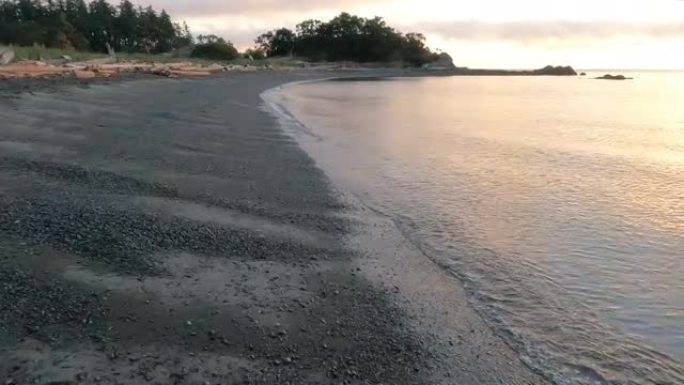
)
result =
(586, 34)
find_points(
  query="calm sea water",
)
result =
(558, 202)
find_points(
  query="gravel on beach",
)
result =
(169, 232)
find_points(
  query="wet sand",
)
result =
(169, 231)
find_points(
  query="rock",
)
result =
(583, 74)
(6, 55)
(613, 77)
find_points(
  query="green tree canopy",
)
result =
(92, 26)
(347, 37)
(215, 50)
(280, 42)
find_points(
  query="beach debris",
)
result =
(110, 50)
(160, 71)
(215, 67)
(31, 69)
(85, 74)
(106, 67)
(6, 55)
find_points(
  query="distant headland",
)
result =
(88, 38)
(546, 71)
(69, 30)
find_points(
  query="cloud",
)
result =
(252, 8)
(527, 32)
(491, 20)
(242, 39)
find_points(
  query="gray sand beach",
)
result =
(171, 232)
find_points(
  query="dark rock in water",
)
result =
(556, 71)
(583, 74)
(613, 77)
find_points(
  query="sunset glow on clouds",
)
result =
(483, 33)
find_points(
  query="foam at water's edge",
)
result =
(285, 118)
(393, 260)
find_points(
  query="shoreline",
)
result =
(378, 169)
(435, 301)
(143, 242)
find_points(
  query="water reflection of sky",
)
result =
(578, 180)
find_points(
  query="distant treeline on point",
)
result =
(347, 37)
(98, 25)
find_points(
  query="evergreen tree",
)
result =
(126, 27)
(93, 26)
(347, 37)
(280, 42)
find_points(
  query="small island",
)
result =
(613, 77)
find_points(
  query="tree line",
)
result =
(347, 37)
(92, 27)
(99, 25)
